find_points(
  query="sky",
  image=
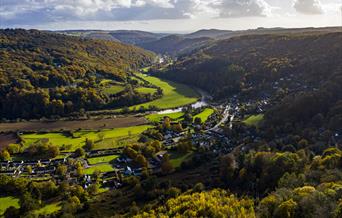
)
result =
(168, 15)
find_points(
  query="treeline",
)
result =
(43, 73)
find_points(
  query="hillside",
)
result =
(41, 73)
(176, 45)
(255, 62)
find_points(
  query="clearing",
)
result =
(100, 167)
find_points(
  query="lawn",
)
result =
(176, 158)
(174, 94)
(114, 89)
(111, 138)
(253, 120)
(100, 167)
(204, 115)
(145, 90)
(102, 159)
(48, 209)
(6, 202)
(158, 117)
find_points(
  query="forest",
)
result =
(45, 74)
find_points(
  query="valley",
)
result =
(249, 120)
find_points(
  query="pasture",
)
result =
(102, 159)
(100, 167)
(174, 94)
(253, 120)
(6, 202)
(113, 89)
(205, 114)
(159, 117)
(48, 209)
(108, 138)
(146, 90)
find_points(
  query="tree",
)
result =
(27, 202)
(62, 170)
(166, 165)
(141, 160)
(5, 155)
(29, 169)
(101, 136)
(286, 209)
(79, 152)
(89, 144)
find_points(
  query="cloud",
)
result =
(42, 11)
(308, 6)
(243, 8)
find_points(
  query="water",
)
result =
(202, 103)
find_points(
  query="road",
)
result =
(223, 120)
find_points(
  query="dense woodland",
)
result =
(44, 74)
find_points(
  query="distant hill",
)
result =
(40, 71)
(176, 45)
(180, 44)
(210, 33)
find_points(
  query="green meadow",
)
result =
(114, 89)
(253, 120)
(6, 202)
(102, 159)
(109, 138)
(159, 117)
(146, 90)
(48, 209)
(100, 167)
(174, 94)
(205, 114)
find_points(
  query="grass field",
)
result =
(114, 89)
(174, 94)
(6, 202)
(159, 117)
(145, 90)
(48, 209)
(176, 158)
(100, 167)
(110, 138)
(204, 115)
(102, 159)
(254, 120)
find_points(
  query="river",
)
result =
(205, 98)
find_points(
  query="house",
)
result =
(128, 171)
(160, 155)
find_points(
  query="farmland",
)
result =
(109, 138)
(105, 123)
(105, 167)
(102, 159)
(159, 117)
(174, 94)
(114, 89)
(145, 90)
(6, 202)
(204, 115)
